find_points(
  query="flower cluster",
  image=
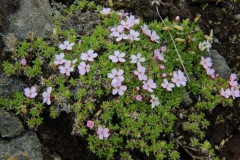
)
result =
(152, 34)
(178, 79)
(126, 25)
(233, 90)
(117, 79)
(102, 132)
(207, 63)
(67, 66)
(31, 93)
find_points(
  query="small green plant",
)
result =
(124, 83)
(204, 6)
(217, 23)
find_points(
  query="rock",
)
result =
(9, 85)
(10, 124)
(24, 147)
(9, 6)
(219, 64)
(82, 22)
(34, 16)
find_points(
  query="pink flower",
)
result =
(116, 31)
(23, 62)
(102, 133)
(233, 83)
(66, 69)
(149, 85)
(122, 15)
(158, 56)
(210, 71)
(89, 55)
(116, 76)
(227, 93)
(90, 124)
(30, 92)
(235, 92)
(154, 100)
(139, 98)
(59, 59)
(140, 72)
(145, 30)
(179, 78)
(154, 37)
(47, 96)
(132, 19)
(163, 49)
(119, 88)
(127, 24)
(137, 59)
(121, 37)
(66, 45)
(106, 11)
(177, 18)
(233, 76)
(206, 62)
(83, 68)
(133, 36)
(117, 57)
(168, 86)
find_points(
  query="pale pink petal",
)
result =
(100, 136)
(100, 130)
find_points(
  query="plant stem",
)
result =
(184, 69)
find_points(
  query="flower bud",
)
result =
(177, 18)
(163, 49)
(213, 76)
(136, 89)
(23, 62)
(161, 67)
(90, 124)
(138, 97)
(163, 75)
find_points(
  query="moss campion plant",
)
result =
(124, 83)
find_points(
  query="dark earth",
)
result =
(55, 135)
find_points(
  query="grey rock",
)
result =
(9, 85)
(10, 124)
(219, 64)
(82, 23)
(34, 16)
(24, 147)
